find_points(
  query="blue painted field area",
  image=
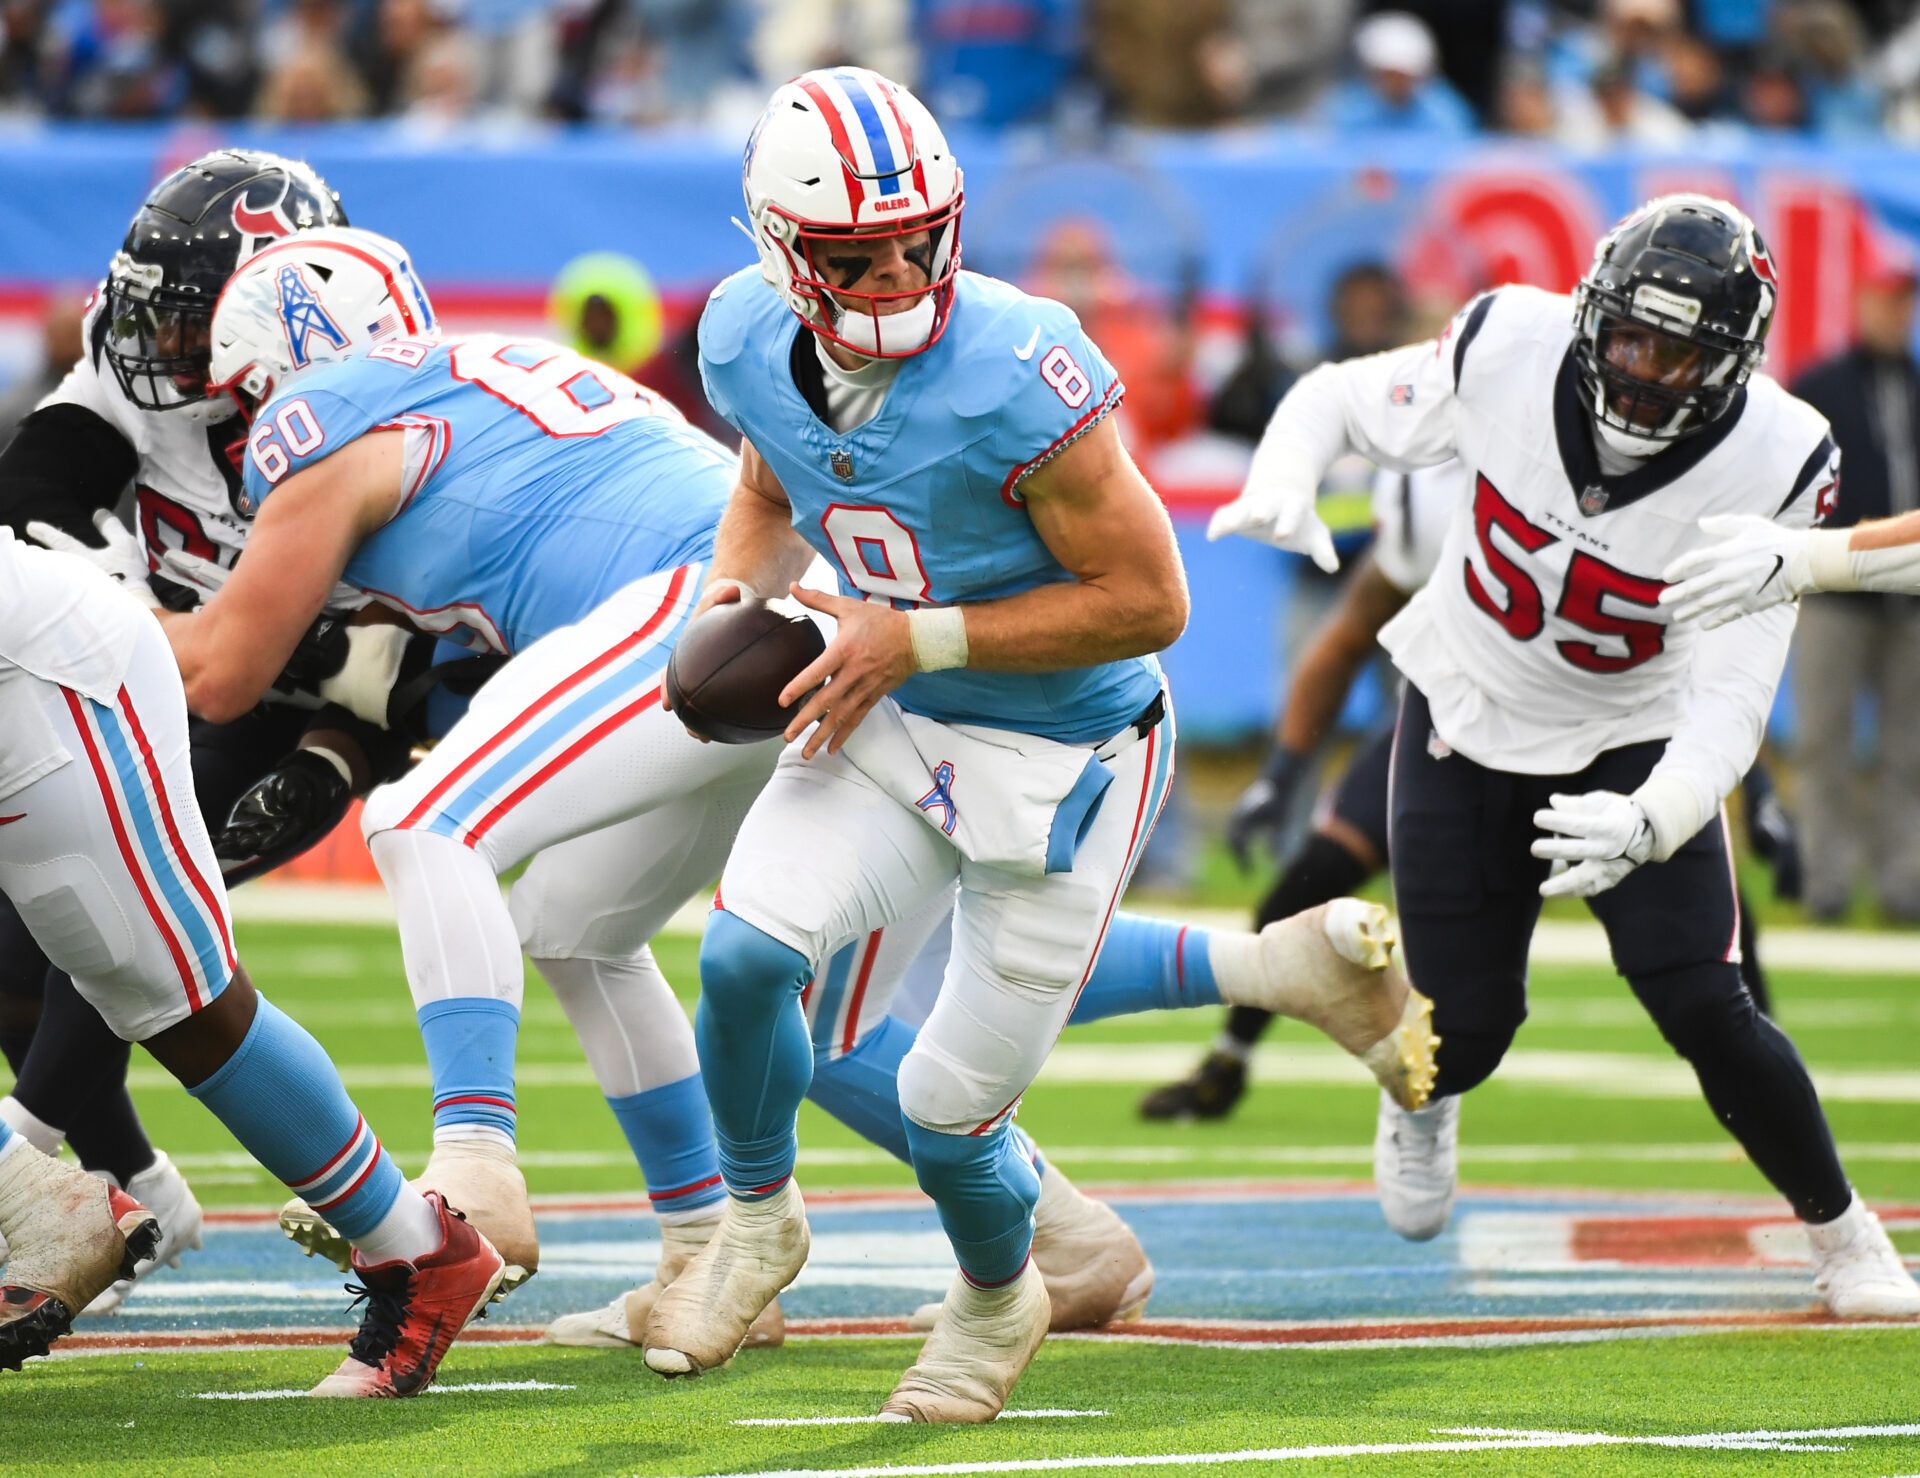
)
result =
(1219, 1254)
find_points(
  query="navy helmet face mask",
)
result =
(1671, 321)
(188, 237)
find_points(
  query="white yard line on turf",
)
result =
(1804, 1441)
(1555, 941)
(459, 1389)
(882, 1420)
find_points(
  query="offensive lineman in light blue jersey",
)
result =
(409, 463)
(987, 723)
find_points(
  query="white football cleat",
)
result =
(1094, 1267)
(1334, 968)
(164, 1191)
(985, 1338)
(1416, 1164)
(479, 1178)
(1856, 1269)
(622, 1324)
(704, 1315)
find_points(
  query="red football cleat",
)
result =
(416, 1310)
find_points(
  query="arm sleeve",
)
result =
(1396, 409)
(63, 464)
(1735, 675)
(1736, 672)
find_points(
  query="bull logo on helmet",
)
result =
(258, 225)
(303, 315)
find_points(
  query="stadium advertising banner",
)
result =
(1168, 245)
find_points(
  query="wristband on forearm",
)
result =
(939, 638)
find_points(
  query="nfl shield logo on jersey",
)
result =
(1593, 499)
(841, 461)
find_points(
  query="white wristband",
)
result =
(939, 637)
(1829, 561)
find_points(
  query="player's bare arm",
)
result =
(1097, 515)
(232, 648)
(755, 545)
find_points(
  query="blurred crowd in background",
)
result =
(1584, 73)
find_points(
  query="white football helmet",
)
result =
(311, 299)
(844, 153)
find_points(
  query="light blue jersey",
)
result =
(921, 505)
(539, 483)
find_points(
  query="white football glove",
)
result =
(120, 558)
(365, 680)
(1601, 836)
(1752, 564)
(1276, 507)
(196, 571)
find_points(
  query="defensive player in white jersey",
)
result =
(133, 410)
(104, 855)
(1559, 734)
(1349, 840)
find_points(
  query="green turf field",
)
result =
(1592, 1100)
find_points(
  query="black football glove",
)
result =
(289, 809)
(1261, 810)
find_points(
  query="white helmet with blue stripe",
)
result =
(311, 299)
(843, 153)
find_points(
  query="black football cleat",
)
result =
(1211, 1092)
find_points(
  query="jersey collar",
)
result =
(1593, 490)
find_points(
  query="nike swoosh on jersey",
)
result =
(1027, 352)
(5, 819)
(1779, 564)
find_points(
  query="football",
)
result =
(725, 676)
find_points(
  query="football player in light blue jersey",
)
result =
(408, 462)
(988, 721)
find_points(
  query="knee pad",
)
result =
(1041, 945)
(941, 1095)
(739, 963)
(72, 913)
(1467, 1059)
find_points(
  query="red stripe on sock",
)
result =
(359, 1123)
(505, 1103)
(684, 1190)
(373, 1162)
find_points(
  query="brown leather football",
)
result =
(725, 676)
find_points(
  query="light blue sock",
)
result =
(281, 1097)
(755, 1055)
(861, 1088)
(671, 1132)
(985, 1189)
(1147, 965)
(470, 1048)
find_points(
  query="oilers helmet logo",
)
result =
(302, 315)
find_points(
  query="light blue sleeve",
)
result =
(1059, 392)
(303, 425)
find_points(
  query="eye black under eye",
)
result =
(853, 268)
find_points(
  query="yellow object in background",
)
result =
(606, 307)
